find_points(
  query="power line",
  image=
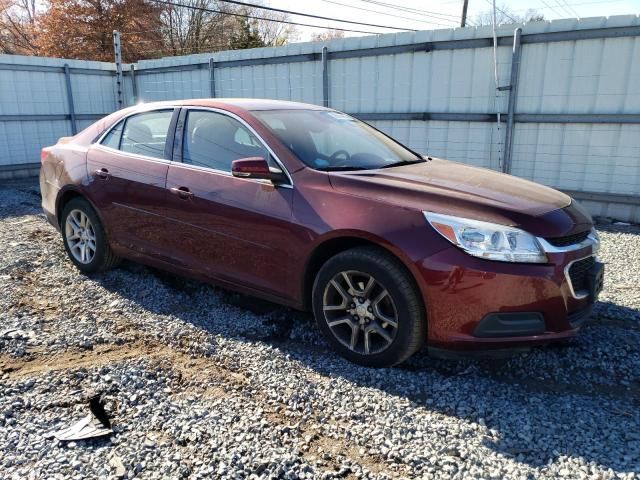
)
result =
(413, 10)
(564, 9)
(255, 17)
(185, 50)
(391, 14)
(569, 8)
(320, 17)
(402, 9)
(553, 9)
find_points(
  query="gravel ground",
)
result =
(203, 383)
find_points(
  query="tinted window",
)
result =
(146, 133)
(215, 140)
(327, 140)
(112, 140)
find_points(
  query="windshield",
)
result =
(328, 140)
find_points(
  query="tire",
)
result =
(386, 345)
(102, 257)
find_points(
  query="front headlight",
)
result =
(488, 240)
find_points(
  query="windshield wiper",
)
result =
(343, 168)
(403, 162)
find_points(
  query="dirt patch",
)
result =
(34, 364)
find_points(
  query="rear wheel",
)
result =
(368, 308)
(84, 238)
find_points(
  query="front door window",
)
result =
(214, 140)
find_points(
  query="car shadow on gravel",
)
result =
(534, 413)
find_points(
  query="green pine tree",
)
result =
(246, 37)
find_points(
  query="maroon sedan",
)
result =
(311, 208)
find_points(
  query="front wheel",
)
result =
(368, 307)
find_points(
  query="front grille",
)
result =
(568, 240)
(578, 273)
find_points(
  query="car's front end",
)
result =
(502, 263)
(502, 302)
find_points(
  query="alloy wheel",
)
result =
(360, 312)
(81, 236)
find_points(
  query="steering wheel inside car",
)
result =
(334, 158)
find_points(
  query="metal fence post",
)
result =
(118, 60)
(134, 83)
(513, 92)
(72, 110)
(212, 78)
(325, 76)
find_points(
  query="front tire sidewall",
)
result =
(404, 344)
(101, 240)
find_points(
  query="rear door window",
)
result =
(146, 133)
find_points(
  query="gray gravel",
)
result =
(203, 383)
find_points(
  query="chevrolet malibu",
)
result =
(309, 207)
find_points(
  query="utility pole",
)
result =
(463, 21)
(119, 78)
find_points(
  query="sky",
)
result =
(433, 14)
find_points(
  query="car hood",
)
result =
(452, 188)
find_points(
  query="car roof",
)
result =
(243, 103)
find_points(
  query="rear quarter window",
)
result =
(112, 139)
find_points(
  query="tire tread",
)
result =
(405, 282)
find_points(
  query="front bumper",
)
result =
(475, 304)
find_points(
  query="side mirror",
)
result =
(252, 167)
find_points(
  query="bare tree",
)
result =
(505, 15)
(272, 32)
(327, 35)
(17, 26)
(194, 29)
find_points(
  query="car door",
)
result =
(232, 229)
(127, 169)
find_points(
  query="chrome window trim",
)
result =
(591, 240)
(134, 155)
(582, 293)
(98, 144)
(252, 130)
(122, 119)
(108, 131)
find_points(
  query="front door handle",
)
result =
(182, 192)
(103, 173)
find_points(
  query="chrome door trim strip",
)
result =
(224, 173)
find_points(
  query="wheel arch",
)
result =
(66, 195)
(330, 247)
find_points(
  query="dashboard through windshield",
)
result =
(329, 140)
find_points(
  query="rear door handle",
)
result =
(182, 192)
(103, 173)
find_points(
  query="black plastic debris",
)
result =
(95, 424)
